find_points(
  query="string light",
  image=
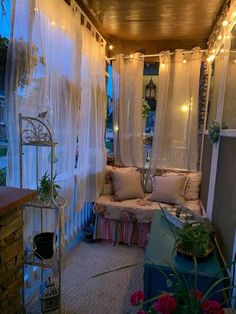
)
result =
(53, 23)
(211, 58)
(219, 37)
(234, 14)
(63, 27)
(184, 108)
(110, 47)
(131, 56)
(184, 61)
(234, 61)
(225, 23)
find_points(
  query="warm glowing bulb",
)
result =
(222, 50)
(234, 61)
(225, 23)
(211, 58)
(185, 108)
(131, 55)
(116, 128)
(213, 51)
(219, 37)
(53, 23)
(35, 9)
(234, 14)
(111, 47)
(184, 61)
(63, 27)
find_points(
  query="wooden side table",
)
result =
(160, 252)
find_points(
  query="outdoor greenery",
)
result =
(3, 60)
(3, 177)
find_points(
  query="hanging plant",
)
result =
(214, 132)
(146, 109)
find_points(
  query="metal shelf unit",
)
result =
(36, 132)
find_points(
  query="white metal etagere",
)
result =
(37, 132)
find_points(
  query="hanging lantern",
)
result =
(150, 90)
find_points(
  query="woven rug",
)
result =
(108, 294)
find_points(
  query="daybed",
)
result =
(122, 217)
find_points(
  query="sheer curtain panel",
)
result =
(175, 141)
(127, 110)
(91, 144)
(43, 74)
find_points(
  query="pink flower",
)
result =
(140, 295)
(136, 297)
(165, 304)
(198, 294)
(142, 312)
(212, 307)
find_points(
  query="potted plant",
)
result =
(45, 187)
(194, 240)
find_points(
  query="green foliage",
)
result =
(194, 239)
(146, 109)
(45, 187)
(3, 177)
(3, 59)
(214, 132)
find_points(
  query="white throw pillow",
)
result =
(168, 189)
(127, 185)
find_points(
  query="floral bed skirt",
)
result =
(118, 231)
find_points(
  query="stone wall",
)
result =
(11, 260)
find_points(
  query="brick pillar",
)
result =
(11, 261)
(11, 247)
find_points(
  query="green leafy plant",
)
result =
(194, 239)
(214, 132)
(45, 187)
(146, 109)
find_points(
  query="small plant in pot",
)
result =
(45, 187)
(194, 241)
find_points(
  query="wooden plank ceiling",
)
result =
(152, 26)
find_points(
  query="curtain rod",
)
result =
(155, 55)
(75, 4)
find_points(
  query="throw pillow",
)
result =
(127, 185)
(193, 186)
(108, 188)
(168, 190)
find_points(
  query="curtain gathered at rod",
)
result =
(127, 110)
(175, 139)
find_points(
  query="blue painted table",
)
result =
(160, 252)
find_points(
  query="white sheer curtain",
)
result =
(175, 141)
(44, 75)
(127, 110)
(91, 144)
